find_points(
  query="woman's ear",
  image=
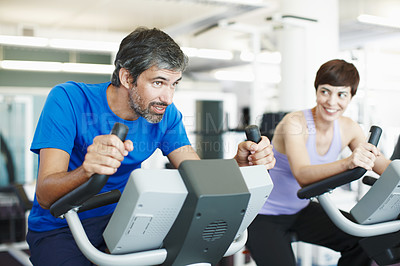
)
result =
(125, 77)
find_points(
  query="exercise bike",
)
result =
(196, 214)
(375, 214)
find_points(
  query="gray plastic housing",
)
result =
(211, 215)
(153, 198)
(382, 202)
(146, 210)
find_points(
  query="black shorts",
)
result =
(58, 247)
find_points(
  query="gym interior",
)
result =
(250, 63)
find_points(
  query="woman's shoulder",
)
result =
(298, 115)
(347, 123)
(292, 122)
(349, 130)
(296, 118)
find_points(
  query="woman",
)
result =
(306, 146)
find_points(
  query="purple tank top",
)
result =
(283, 198)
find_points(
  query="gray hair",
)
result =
(145, 48)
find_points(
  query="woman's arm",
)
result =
(294, 133)
(295, 136)
(377, 162)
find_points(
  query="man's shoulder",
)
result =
(67, 88)
(74, 90)
(172, 113)
(172, 107)
(72, 86)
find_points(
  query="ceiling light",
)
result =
(31, 65)
(57, 67)
(208, 53)
(242, 2)
(98, 46)
(234, 76)
(263, 57)
(191, 52)
(246, 76)
(215, 54)
(84, 45)
(88, 68)
(23, 41)
(102, 46)
(381, 21)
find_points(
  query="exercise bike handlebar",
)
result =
(87, 190)
(253, 133)
(326, 185)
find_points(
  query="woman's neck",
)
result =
(321, 125)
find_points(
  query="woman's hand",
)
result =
(364, 155)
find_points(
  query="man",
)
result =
(73, 141)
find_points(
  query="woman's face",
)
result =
(332, 101)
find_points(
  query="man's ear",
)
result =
(125, 77)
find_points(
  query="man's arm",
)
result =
(248, 153)
(54, 180)
(104, 156)
(181, 154)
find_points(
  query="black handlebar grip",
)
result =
(369, 180)
(375, 134)
(100, 200)
(120, 130)
(253, 133)
(93, 186)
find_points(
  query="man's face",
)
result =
(153, 92)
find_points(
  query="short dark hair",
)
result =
(338, 72)
(145, 48)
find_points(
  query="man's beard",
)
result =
(135, 102)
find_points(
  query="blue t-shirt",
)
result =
(75, 113)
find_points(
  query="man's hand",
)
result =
(105, 155)
(250, 153)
